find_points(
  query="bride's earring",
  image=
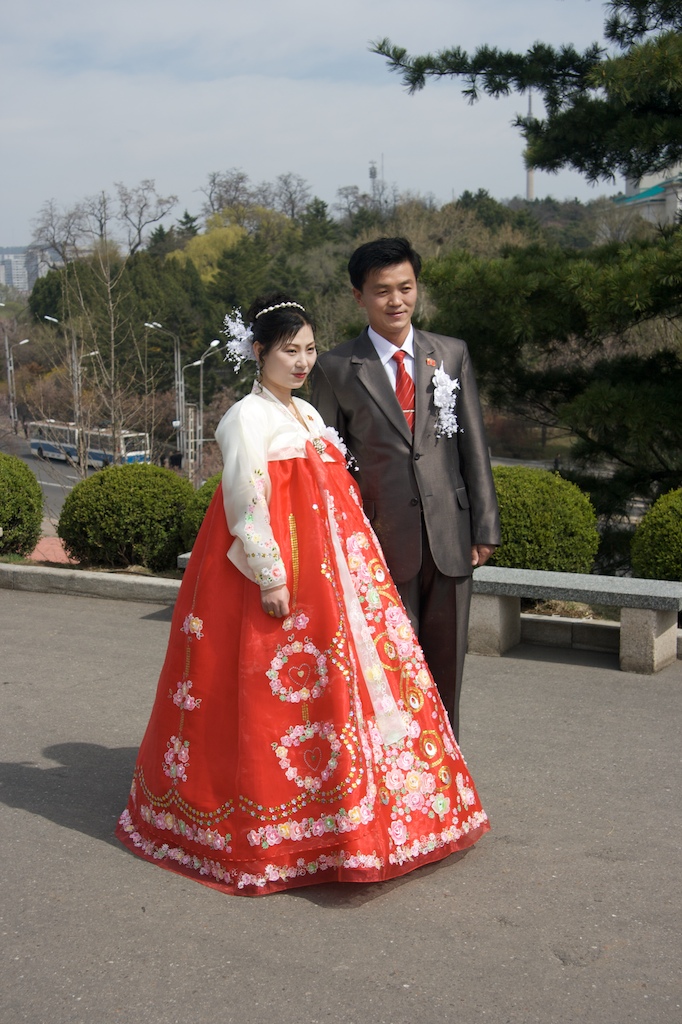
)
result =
(259, 375)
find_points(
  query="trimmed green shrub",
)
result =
(126, 515)
(657, 544)
(21, 507)
(197, 508)
(547, 522)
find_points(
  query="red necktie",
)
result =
(404, 388)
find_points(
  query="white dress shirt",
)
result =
(386, 350)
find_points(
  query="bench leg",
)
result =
(494, 624)
(648, 639)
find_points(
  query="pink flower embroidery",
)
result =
(395, 779)
(398, 832)
(182, 698)
(176, 759)
(193, 626)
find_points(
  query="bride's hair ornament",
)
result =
(239, 345)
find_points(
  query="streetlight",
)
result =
(76, 384)
(200, 439)
(154, 325)
(9, 358)
(190, 426)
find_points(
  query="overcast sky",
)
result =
(95, 93)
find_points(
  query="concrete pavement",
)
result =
(569, 911)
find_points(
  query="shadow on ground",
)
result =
(86, 791)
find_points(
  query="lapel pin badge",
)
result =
(430, 362)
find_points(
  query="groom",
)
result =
(422, 458)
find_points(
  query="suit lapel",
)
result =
(373, 377)
(423, 382)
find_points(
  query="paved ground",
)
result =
(569, 911)
(50, 548)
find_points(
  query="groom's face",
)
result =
(389, 296)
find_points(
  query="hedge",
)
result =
(197, 508)
(21, 507)
(657, 542)
(547, 522)
(126, 515)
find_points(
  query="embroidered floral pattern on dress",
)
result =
(413, 788)
(401, 633)
(399, 641)
(298, 620)
(266, 564)
(303, 687)
(426, 844)
(182, 698)
(210, 837)
(363, 581)
(176, 759)
(309, 828)
(243, 879)
(193, 626)
(293, 737)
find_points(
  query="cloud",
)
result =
(160, 90)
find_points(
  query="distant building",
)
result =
(21, 266)
(656, 197)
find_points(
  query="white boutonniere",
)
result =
(445, 400)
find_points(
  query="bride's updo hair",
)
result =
(276, 319)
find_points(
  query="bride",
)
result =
(297, 735)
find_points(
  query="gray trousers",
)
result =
(438, 607)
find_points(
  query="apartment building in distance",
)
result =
(21, 266)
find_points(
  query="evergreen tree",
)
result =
(605, 111)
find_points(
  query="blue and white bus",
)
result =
(52, 440)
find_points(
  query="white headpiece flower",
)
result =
(239, 345)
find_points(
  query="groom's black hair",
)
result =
(382, 252)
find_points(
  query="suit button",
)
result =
(414, 501)
(417, 456)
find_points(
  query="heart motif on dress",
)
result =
(299, 675)
(312, 758)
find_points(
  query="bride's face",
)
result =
(286, 367)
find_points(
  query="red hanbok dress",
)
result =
(282, 753)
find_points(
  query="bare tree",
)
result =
(140, 207)
(291, 194)
(349, 200)
(225, 189)
(57, 232)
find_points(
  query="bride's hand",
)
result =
(275, 602)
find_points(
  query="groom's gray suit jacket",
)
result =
(447, 480)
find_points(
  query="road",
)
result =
(56, 479)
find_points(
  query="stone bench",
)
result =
(648, 620)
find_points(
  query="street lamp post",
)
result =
(179, 384)
(189, 432)
(200, 433)
(76, 372)
(11, 391)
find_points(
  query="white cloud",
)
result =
(169, 91)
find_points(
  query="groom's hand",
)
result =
(480, 553)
